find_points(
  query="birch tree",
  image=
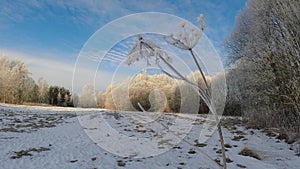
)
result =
(13, 76)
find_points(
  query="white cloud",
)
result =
(60, 73)
(55, 72)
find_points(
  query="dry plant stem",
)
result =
(209, 105)
(205, 96)
(215, 114)
(200, 70)
(222, 145)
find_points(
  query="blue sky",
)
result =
(48, 35)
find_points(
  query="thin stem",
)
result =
(212, 110)
(199, 68)
(204, 96)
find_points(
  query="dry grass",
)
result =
(20, 154)
(250, 153)
(237, 138)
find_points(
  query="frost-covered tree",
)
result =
(265, 47)
(109, 102)
(233, 104)
(116, 96)
(16, 86)
(153, 92)
(59, 98)
(31, 91)
(75, 99)
(67, 98)
(13, 75)
(87, 98)
(101, 100)
(53, 93)
(191, 99)
(43, 90)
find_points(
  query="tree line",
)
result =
(153, 93)
(17, 87)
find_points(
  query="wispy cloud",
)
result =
(60, 73)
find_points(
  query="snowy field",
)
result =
(48, 137)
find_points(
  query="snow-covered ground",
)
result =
(49, 137)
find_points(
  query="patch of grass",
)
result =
(164, 142)
(200, 144)
(230, 124)
(219, 151)
(250, 153)
(237, 138)
(297, 150)
(10, 129)
(23, 125)
(270, 133)
(282, 136)
(197, 144)
(218, 161)
(17, 120)
(233, 128)
(121, 163)
(141, 131)
(239, 132)
(177, 147)
(39, 149)
(20, 154)
(241, 166)
(192, 151)
(244, 139)
(227, 145)
(182, 163)
(228, 160)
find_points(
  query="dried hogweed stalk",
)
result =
(145, 49)
(186, 38)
